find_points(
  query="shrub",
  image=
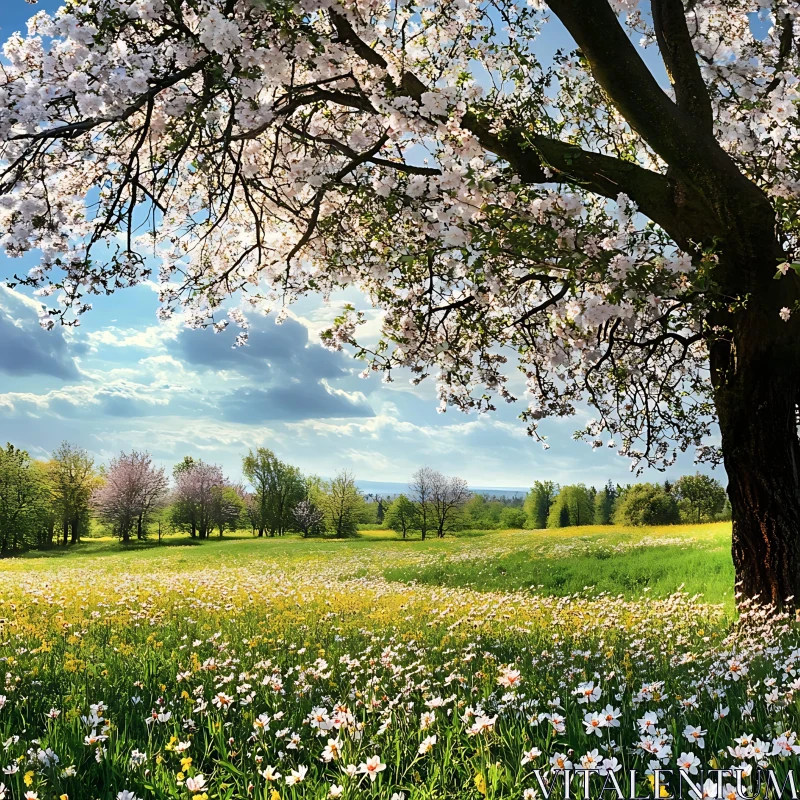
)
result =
(511, 517)
(646, 504)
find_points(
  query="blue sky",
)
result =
(123, 380)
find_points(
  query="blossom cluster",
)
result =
(253, 152)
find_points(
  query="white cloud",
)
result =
(153, 337)
(157, 388)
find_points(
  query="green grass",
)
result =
(617, 560)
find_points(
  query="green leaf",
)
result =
(231, 768)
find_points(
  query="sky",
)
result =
(123, 380)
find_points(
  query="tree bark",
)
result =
(756, 377)
(762, 464)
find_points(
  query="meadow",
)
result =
(371, 667)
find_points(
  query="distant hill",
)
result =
(389, 489)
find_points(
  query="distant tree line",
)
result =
(691, 498)
(279, 500)
(58, 501)
(440, 510)
(44, 503)
(434, 506)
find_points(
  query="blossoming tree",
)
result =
(197, 492)
(615, 236)
(132, 488)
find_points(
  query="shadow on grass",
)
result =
(109, 547)
(154, 544)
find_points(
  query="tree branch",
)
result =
(784, 50)
(529, 155)
(653, 193)
(76, 128)
(669, 130)
(694, 154)
(680, 59)
(334, 144)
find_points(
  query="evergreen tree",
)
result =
(604, 504)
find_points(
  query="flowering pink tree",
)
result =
(196, 505)
(132, 489)
(614, 237)
(308, 517)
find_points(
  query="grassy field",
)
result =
(561, 562)
(374, 667)
(618, 561)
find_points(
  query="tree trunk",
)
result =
(762, 457)
(757, 388)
